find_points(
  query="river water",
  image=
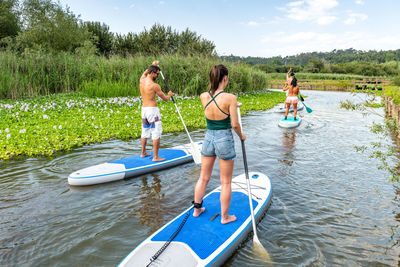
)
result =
(331, 206)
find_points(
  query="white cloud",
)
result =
(116, 8)
(262, 21)
(162, 2)
(311, 10)
(360, 2)
(253, 23)
(325, 20)
(132, 6)
(354, 17)
(297, 3)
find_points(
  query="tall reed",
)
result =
(38, 73)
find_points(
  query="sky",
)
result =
(260, 28)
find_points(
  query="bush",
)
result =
(396, 80)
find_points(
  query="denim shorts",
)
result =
(219, 143)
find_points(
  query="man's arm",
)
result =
(146, 72)
(287, 74)
(144, 75)
(160, 93)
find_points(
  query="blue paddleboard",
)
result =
(289, 122)
(132, 166)
(203, 240)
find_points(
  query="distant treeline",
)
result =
(349, 61)
(333, 57)
(47, 25)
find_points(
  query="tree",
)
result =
(314, 65)
(50, 26)
(163, 40)
(104, 38)
(9, 18)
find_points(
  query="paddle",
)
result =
(258, 248)
(195, 150)
(309, 110)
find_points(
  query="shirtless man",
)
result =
(291, 99)
(151, 117)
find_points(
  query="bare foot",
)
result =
(158, 159)
(228, 219)
(144, 155)
(197, 212)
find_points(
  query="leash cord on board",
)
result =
(166, 244)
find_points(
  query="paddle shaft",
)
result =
(307, 108)
(173, 100)
(246, 170)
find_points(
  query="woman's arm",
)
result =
(235, 118)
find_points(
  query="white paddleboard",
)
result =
(204, 241)
(289, 122)
(132, 166)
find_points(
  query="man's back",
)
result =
(148, 89)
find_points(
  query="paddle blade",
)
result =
(196, 153)
(309, 110)
(259, 250)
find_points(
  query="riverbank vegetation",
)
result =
(394, 93)
(384, 153)
(38, 73)
(47, 124)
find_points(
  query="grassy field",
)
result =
(47, 124)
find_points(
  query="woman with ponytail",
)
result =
(291, 99)
(220, 110)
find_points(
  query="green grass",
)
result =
(47, 124)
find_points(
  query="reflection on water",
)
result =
(151, 207)
(325, 212)
(288, 143)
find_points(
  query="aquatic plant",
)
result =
(47, 124)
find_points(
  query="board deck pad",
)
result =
(290, 119)
(137, 161)
(202, 235)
